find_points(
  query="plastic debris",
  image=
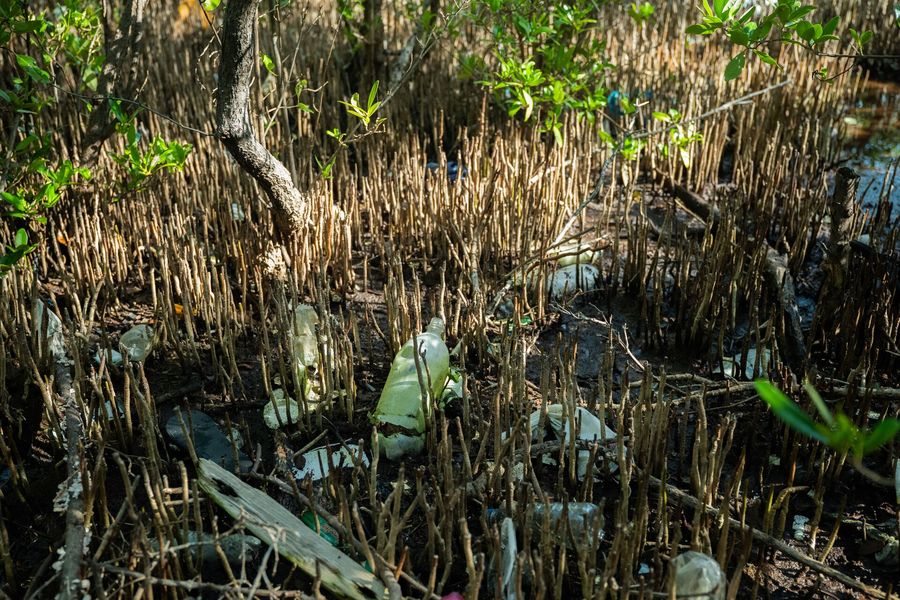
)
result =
(304, 343)
(280, 407)
(454, 170)
(317, 463)
(453, 596)
(572, 278)
(318, 524)
(589, 428)
(509, 549)
(800, 527)
(574, 254)
(114, 357)
(237, 212)
(399, 415)
(136, 343)
(699, 577)
(584, 520)
(55, 335)
(209, 440)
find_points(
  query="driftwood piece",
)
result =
(275, 525)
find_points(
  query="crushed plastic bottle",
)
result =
(304, 343)
(699, 577)
(137, 342)
(280, 410)
(584, 520)
(399, 415)
(571, 279)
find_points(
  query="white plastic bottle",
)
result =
(399, 415)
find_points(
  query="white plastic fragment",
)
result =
(699, 577)
(508, 551)
(317, 464)
(280, 406)
(114, 357)
(55, 335)
(304, 343)
(137, 342)
(588, 426)
(572, 278)
(800, 527)
(237, 212)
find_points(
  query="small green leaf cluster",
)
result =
(364, 113)
(788, 22)
(547, 59)
(40, 188)
(140, 165)
(837, 432)
(681, 135)
(641, 12)
(16, 252)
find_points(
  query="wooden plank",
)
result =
(278, 527)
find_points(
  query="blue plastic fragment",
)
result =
(454, 170)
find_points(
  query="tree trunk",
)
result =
(233, 118)
(119, 75)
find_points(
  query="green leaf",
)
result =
(819, 404)
(21, 238)
(697, 29)
(735, 66)
(766, 58)
(268, 63)
(788, 411)
(762, 32)
(210, 5)
(661, 116)
(882, 434)
(739, 37)
(372, 93)
(831, 25)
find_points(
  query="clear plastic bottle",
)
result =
(399, 415)
(584, 520)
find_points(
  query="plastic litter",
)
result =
(509, 549)
(55, 335)
(136, 343)
(280, 406)
(114, 357)
(316, 464)
(699, 577)
(454, 170)
(800, 527)
(399, 415)
(304, 343)
(573, 278)
(209, 440)
(584, 520)
(320, 526)
(588, 426)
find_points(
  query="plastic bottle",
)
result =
(583, 517)
(399, 415)
(698, 576)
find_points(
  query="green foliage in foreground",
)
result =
(837, 432)
(787, 22)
